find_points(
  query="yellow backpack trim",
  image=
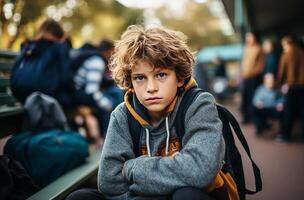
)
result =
(224, 180)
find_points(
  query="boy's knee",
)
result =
(189, 193)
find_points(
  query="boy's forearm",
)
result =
(197, 163)
(116, 150)
(110, 180)
(163, 175)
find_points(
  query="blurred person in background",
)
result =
(220, 80)
(96, 91)
(200, 76)
(252, 69)
(267, 103)
(220, 67)
(42, 63)
(291, 79)
(271, 58)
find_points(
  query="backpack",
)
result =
(232, 171)
(48, 154)
(45, 149)
(15, 182)
(43, 112)
(39, 67)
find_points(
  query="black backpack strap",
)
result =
(188, 98)
(134, 128)
(236, 127)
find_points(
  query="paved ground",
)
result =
(281, 165)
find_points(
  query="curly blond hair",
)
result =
(159, 46)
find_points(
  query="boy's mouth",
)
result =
(153, 99)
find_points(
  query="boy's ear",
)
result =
(180, 83)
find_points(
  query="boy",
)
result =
(267, 102)
(155, 66)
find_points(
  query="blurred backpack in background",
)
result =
(49, 154)
(43, 112)
(45, 148)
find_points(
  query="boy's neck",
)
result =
(155, 118)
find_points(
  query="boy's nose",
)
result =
(151, 86)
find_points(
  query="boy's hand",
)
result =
(174, 154)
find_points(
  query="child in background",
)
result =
(267, 103)
(155, 65)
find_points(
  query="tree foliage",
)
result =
(96, 19)
(198, 23)
(23, 13)
(87, 20)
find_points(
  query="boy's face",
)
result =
(155, 88)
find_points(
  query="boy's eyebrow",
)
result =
(159, 69)
(156, 70)
(136, 73)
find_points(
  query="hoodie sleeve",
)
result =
(117, 149)
(197, 163)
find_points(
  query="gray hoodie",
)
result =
(166, 163)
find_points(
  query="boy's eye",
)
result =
(138, 78)
(161, 75)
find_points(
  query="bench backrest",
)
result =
(7, 59)
(10, 110)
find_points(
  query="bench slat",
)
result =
(6, 66)
(11, 110)
(6, 99)
(8, 54)
(68, 182)
(4, 82)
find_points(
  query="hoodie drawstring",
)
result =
(168, 136)
(167, 139)
(148, 142)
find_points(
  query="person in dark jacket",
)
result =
(220, 80)
(271, 58)
(42, 63)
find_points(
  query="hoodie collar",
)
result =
(139, 112)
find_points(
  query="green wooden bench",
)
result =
(11, 115)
